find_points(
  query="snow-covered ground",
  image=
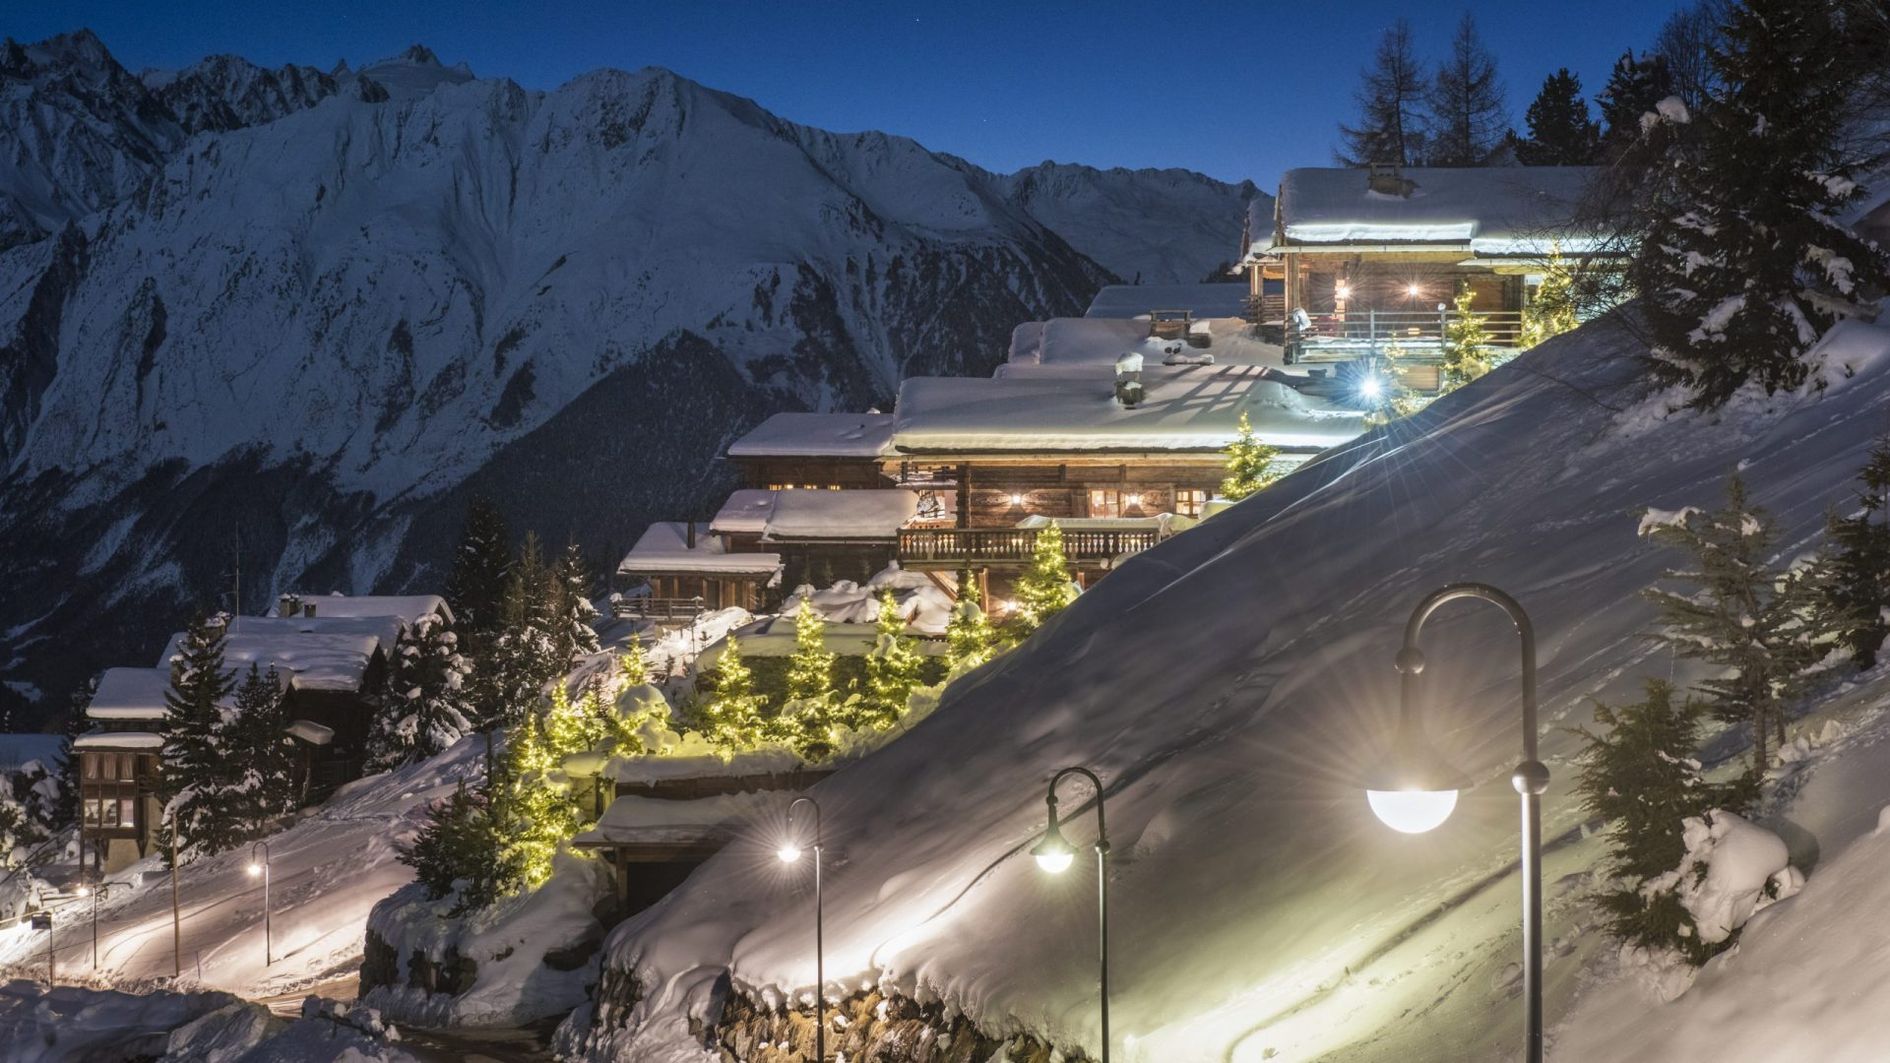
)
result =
(326, 872)
(1231, 684)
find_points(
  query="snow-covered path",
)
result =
(326, 872)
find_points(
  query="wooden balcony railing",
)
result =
(1416, 333)
(1014, 544)
(644, 607)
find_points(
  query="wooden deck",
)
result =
(922, 548)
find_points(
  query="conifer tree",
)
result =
(1635, 86)
(197, 766)
(572, 726)
(969, 638)
(262, 785)
(427, 703)
(731, 716)
(1856, 591)
(1552, 310)
(1738, 613)
(457, 850)
(1044, 589)
(1467, 351)
(1251, 464)
(524, 653)
(538, 814)
(571, 606)
(1743, 257)
(1560, 131)
(1391, 101)
(1643, 776)
(892, 668)
(66, 809)
(810, 669)
(1468, 118)
(481, 566)
(632, 667)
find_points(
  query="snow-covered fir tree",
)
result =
(1561, 133)
(66, 812)
(969, 638)
(808, 717)
(892, 668)
(198, 768)
(1467, 352)
(526, 651)
(1744, 263)
(1391, 101)
(1044, 590)
(571, 606)
(427, 701)
(1643, 776)
(1552, 308)
(1635, 87)
(731, 716)
(261, 784)
(1738, 612)
(482, 564)
(457, 851)
(1251, 464)
(537, 814)
(1469, 119)
(1855, 590)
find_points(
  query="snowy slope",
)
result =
(322, 332)
(1260, 912)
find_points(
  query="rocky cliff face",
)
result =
(291, 320)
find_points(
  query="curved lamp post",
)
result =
(1414, 789)
(790, 852)
(262, 868)
(1055, 855)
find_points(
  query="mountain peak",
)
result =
(419, 55)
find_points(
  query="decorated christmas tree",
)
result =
(969, 638)
(427, 702)
(537, 814)
(892, 668)
(1552, 310)
(1044, 589)
(1467, 351)
(731, 715)
(1251, 464)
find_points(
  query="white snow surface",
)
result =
(1496, 210)
(664, 547)
(1230, 685)
(130, 694)
(1137, 300)
(407, 608)
(804, 514)
(1101, 340)
(838, 435)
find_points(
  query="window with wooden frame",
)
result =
(1105, 502)
(1190, 501)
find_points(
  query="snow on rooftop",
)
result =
(867, 513)
(664, 547)
(632, 820)
(1101, 340)
(134, 740)
(1184, 408)
(1137, 300)
(130, 694)
(309, 653)
(1492, 210)
(407, 607)
(828, 435)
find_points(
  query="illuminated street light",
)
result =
(262, 868)
(1055, 855)
(790, 852)
(96, 895)
(1414, 789)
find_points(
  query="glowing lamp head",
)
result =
(1134, 500)
(85, 891)
(1017, 500)
(1413, 789)
(254, 869)
(1371, 387)
(788, 853)
(1413, 290)
(1342, 291)
(1053, 853)
(1412, 811)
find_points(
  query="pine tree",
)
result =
(1635, 86)
(1856, 592)
(524, 655)
(731, 716)
(1553, 309)
(1251, 464)
(1391, 101)
(66, 810)
(969, 638)
(263, 782)
(427, 703)
(481, 567)
(808, 717)
(457, 851)
(1044, 589)
(1468, 116)
(632, 667)
(197, 767)
(571, 606)
(1560, 131)
(892, 668)
(1467, 351)
(538, 814)
(1643, 777)
(1737, 613)
(572, 726)
(1743, 257)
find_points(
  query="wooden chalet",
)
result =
(1364, 260)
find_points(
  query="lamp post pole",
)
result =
(177, 917)
(262, 867)
(1530, 779)
(98, 893)
(790, 853)
(1054, 854)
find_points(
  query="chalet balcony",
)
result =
(1416, 334)
(955, 547)
(660, 610)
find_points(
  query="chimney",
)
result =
(1387, 179)
(689, 534)
(308, 609)
(1129, 380)
(287, 605)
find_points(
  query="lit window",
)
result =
(1105, 502)
(91, 765)
(1189, 501)
(126, 811)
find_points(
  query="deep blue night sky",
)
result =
(1230, 88)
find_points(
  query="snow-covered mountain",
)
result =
(291, 321)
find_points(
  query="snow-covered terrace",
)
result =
(1136, 300)
(130, 694)
(633, 820)
(824, 435)
(664, 547)
(1095, 340)
(405, 607)
(1510, 210)
(816, 515)
(1185, 408)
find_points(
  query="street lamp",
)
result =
(1415, 789)
(790, 852)
(262, 868)
(96, 895)
(1055, 855)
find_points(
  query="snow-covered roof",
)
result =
(130, 694)
(745, 512)
(309, 653)
(309, 731)
(867, 513)
(632, 820)
(1136, 300)
(1494, 210)
(1191, 408)
(143, 741)
(816, 435)
(1102, 340)
(407, 607)
(664, 548)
